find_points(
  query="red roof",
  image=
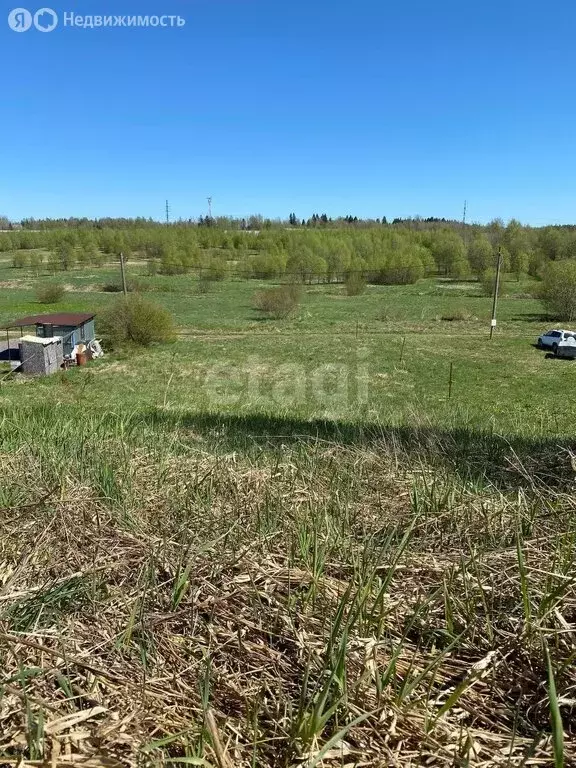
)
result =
(73, 319)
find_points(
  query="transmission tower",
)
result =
(209, 207)
(167, 212)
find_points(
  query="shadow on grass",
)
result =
(536, 317)
(507, 462)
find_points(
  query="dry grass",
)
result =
(316, 605)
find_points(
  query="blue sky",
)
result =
(370, 108)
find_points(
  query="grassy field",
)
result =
(291, 543)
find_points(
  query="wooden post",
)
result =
(402, 350)
(496, 290)
(123, 271)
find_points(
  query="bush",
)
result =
(36, 259)
(20, 260)
(205, 283)
(459, 315)
(136, 320)
(50, 293)
(488, 281)
(278, 302)
(355, 284)
(558, 289)
(217, 269)
(132, 286)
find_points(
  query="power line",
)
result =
(464, 237)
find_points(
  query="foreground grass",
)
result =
(252, 592)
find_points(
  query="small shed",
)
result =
(72, 327)
(40, 357)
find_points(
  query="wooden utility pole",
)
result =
(123, 271)
(496, 290)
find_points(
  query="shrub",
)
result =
(36, 259)
(459, 315)
(132, 286)
(217, 269)
(278, 302)
(487, 283)
(355, 284)
(268, 266)
(50, 293)
(558, 289)
(205, 283)
(20, 260)
(136, 320)
(172, 268)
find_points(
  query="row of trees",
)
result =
(382, 254)
(254, 222)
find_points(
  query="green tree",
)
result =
(449, 253)
(6, 243)
(558, 289)
(567, 249)
(66, 256)
(481, 254)
(337, 257)
(515, 240)
(488, 283)
(402, 268)
(495, 232)
(306, 265)
(549, 241)
(266, 266)
(171, 260)
(36, 259)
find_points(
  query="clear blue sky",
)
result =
(368, 107)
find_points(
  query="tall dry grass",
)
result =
(165, 600)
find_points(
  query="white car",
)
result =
(553, 339)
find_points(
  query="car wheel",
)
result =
(555, 348)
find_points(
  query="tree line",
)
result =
(391, 254)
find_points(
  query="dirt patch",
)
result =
(21, 284)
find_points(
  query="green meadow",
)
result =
(344, 538)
